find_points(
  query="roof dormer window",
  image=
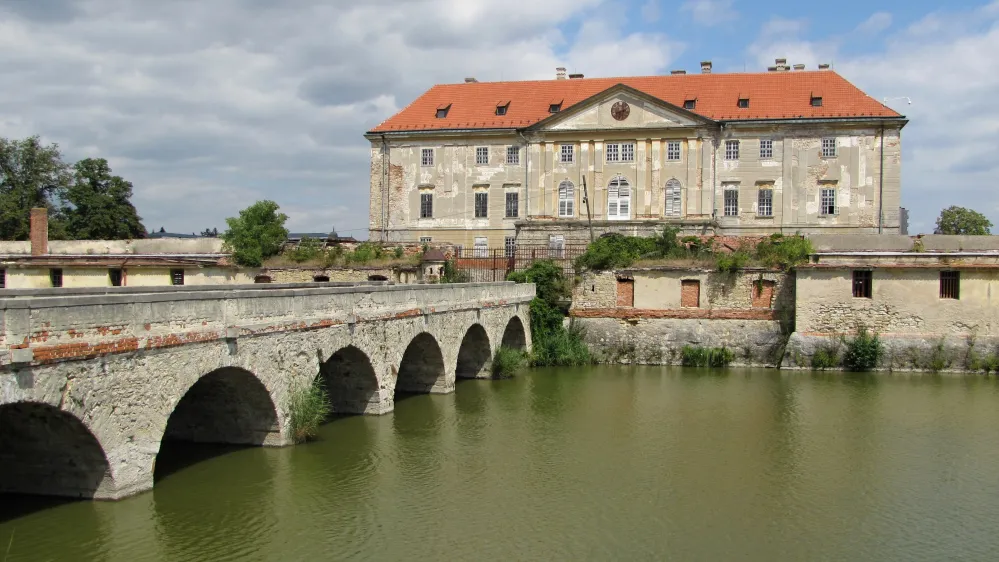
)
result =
(501, 107)
(816, 101)
(689, 104)
(554, 107)
(743, 102)
(442, 110)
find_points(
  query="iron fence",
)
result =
(487, 264)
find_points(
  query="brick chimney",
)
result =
(706, 67)
(560, 73)
(39, 231)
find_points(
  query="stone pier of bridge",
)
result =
(92, 383)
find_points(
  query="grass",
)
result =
(508, 362)
(697, 356)
(309, 408)
(564, 347)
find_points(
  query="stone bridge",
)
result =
(92, 383)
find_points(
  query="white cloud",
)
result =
(710, 12)
(877, 23)
(650, 11)
(208, 106)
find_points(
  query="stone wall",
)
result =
(335, 274)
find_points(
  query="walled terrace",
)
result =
(93, 381)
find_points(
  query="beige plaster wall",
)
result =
(38, 278)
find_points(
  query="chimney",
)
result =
(39, 231)
(799, 67)
(771, 69)
(677, 72)
(706, 67)
(470, 80)
(824, 66)
(560, 73)
(781, 64)
(575, 76)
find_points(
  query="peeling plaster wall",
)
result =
(135, 276)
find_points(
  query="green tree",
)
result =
(99, 205)
(961, 220)
(31, 175)
(256, 234)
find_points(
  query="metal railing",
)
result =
(487, 264)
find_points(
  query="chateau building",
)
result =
(494, 164)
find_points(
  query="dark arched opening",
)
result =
(228, 406)
(474, 354)
(262, 279)
(46, 451)
(422, 366)
(377, 278)
(321, 278)
(514, 335)
(350, 381)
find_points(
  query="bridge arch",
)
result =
(475, 354)
(422, 366)
(48, 451)
(514, 335)
(350, 381)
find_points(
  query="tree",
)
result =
(210, 233)
(256, 234)
(960, 220)
(99, 206)
(31, 175)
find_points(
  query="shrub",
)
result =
(561, 347)
(551, 285)
(364, 253)
(697, 356)
(451, 273)
(507, 362)
(307, 249)
(784, 252)
(613, 251)
(732, 262)
(309, 407)
(825, 357)
(398, 252)
(938, 359)
(554, 344)
(863, 352)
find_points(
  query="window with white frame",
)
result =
(427, 157)
(673, 150)
(481, 247)
(827, 201)
(731, 150)
(566, 199)
(765, 201)
(628, 152)
(426, 205)
(481, 155)
(509, 246)
(613, 151)
(829, 147)
(766, 149)
(512, 204)
(566, 154)
(481, 204)
(731, 203)
(426, 239)
(618, 199)
(673, 198)
(513, 155)
(556, 245)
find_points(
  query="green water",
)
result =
(602, 463)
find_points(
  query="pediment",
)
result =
(621, 108)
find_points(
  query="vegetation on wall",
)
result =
(863, 351)
(451, 274)
(961, 220)
(308, 408)
(697, 356)
(256, 234)
(554, 344)
(507, 362)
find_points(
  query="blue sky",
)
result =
(209, 106)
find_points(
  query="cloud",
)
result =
(710, 12)
(877, 23)
(650, 11)
(209, 106)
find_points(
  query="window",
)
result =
(509, 246)
(690, 293)
(512, 204)
(3, 278)
(827, 201)
(763, 293)
(766, 149)
(816, 101)
(673, 191)
(55, 277)
(481, 155)
(116, 277)
(426, 239)
(177, 277)
(628, 152)
(673, 150)
(481, 205)
(621, 152)
(828, 147)
(321, 278)
(513, 155)
(731, 206)
(765, 202)
(480, 249)
(556, 245)
(743, 103)
(950, 285)
(613, 154)
(863, 283)
(618, 199)
(689, 104)
(426, 205)
(566, 199)
(262, 279)
(566, 154)
(442, 113)
(501, 109)
(731, 150)
(555, 108)
(427, 157)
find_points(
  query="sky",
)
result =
(209, 106)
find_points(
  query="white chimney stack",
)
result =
(706, 67)
(560, 73)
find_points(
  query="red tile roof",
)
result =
(772, 95)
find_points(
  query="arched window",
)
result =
(618, 199)
(566, 199)
(673, 190)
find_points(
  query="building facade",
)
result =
(493, 164)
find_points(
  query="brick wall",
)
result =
(626, 292)
(763, 293)
(690, 293)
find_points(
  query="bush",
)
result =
(507, 362)
(309, 408)
(613, 251)
(938, 359)
(562, 347)
(364, 253)
(307, 249)
(825, 357)
(551, 285)
(863, 352)
(398, 252)
(256, 234)
(451, 273)
(554, 344)
(784, 252)
(732, 262)
(697, 356)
